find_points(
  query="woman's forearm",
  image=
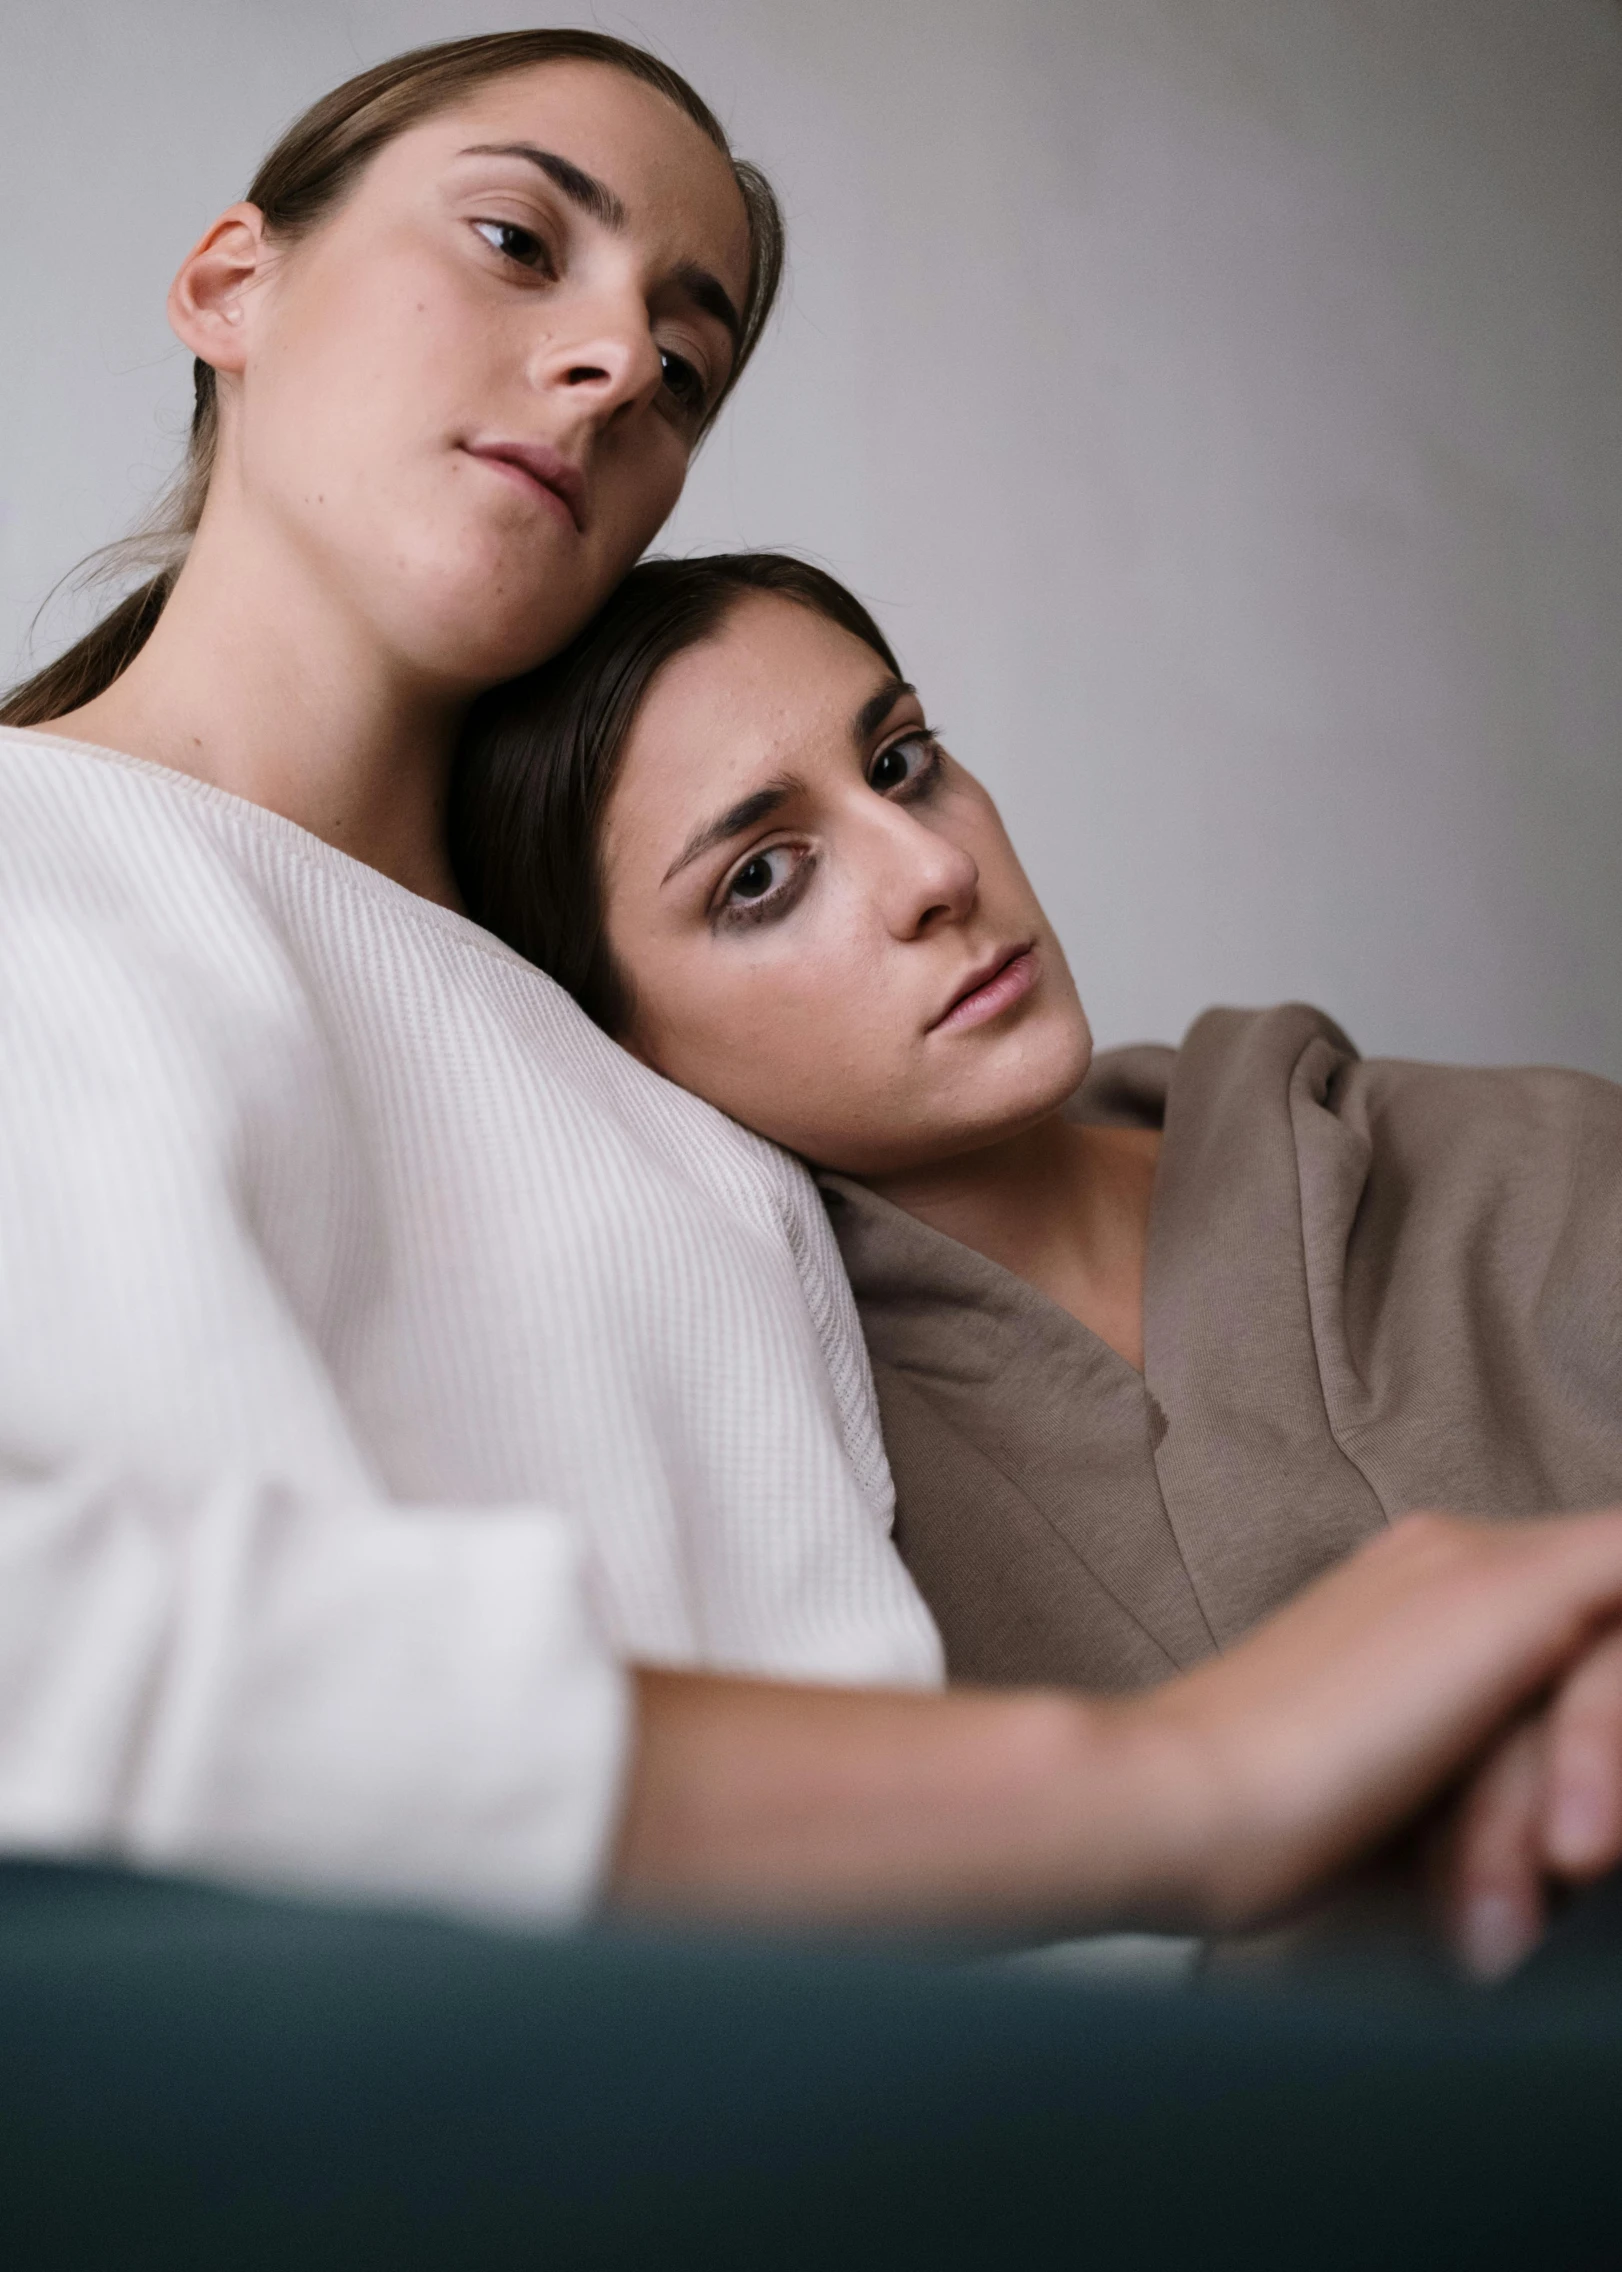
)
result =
(1019, 1811)
(1212, 1802)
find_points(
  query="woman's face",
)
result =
(469, 396)
(821, 919)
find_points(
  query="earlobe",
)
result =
(208, 298)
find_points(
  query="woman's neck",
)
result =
(254, 679)
(1064, 1207)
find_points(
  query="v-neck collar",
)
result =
(1227, 1423)
(1065, 1420)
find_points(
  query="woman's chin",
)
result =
(1022, 1076)
(995, 1094)
(934, 1141)
(479, 614)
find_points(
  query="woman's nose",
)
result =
(602, 358)
(929, 880)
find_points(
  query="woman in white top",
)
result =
(389, 1363)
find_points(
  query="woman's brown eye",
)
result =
(682, 381)
(753, 880)
(520, 245)
(766, 886)
(895, 766)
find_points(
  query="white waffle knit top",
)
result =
(384, 1358)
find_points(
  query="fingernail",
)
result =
(1496, 1936)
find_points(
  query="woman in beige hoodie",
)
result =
(1160, 1336)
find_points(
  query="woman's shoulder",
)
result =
(95, 842)
(1295, 1047)
(1278, 1091)
(75, 814)
(92, 835)
(1292, 1065)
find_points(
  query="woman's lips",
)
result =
(540, 472)
(1008, 982)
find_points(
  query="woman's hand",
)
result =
(1336, 1722)
(1545, 1809)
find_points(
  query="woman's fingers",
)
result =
(1326, 1728)
(1547, 1803)
(1580, 1827)
(1490, 1864)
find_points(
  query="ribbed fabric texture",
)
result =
(383, 1356)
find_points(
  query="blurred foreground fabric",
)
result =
(190, 2077)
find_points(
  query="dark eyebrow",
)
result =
(582, 189)
(877, 708)
(749, 811)
(596, 198)
(746, 813)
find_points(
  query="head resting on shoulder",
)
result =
(720, 819)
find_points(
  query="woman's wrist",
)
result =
(1154, 1823)
(1030, 1811)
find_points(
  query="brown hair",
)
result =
(308, 173)
(539, 757)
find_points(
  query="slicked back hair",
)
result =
(303, 180)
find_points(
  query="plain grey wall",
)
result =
(1220, 400)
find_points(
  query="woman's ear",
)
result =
(207, 299)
